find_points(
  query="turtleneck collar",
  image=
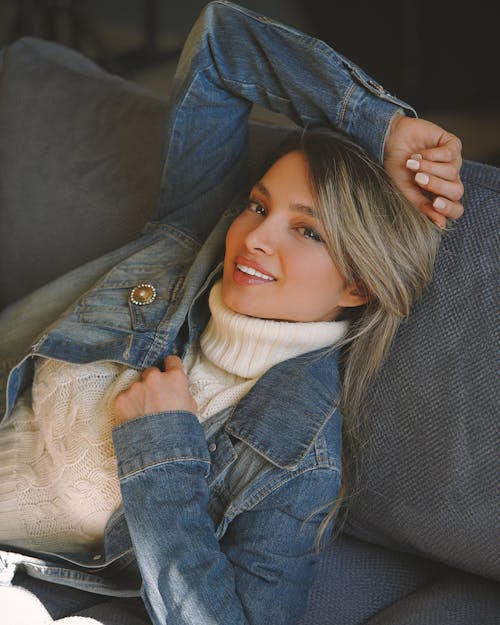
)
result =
(249, 346)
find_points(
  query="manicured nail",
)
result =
(413, 164)
(422, 178)
(439, 203)
(438, 223)
(417, 157)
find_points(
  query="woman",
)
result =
(223, 515)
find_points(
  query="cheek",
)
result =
(313, 269)
(235, 235)
(230, 237)
(319, 280)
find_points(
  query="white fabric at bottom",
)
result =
(22, 607)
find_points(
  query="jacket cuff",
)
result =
(368, 111)
(159, 438)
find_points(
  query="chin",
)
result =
(241, 308)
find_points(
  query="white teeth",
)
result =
(253, 272)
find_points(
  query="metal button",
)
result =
(143, 294)
(212, 447)
(97, 556)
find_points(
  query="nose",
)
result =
(262, 239)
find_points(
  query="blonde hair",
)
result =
(379, 242)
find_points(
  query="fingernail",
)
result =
(422, 178)
(438, 223)
(417, 157)
(439, 203)
(413, 164)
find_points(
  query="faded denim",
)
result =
(220, 524)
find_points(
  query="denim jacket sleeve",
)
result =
(232, 59)
(258, 573)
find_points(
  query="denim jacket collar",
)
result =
(283, 426)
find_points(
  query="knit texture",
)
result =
(236, 350)
(58, 479)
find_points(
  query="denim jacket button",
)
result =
(97, 556)
(212, 447)
(143, 294)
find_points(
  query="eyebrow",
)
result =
(300, 208)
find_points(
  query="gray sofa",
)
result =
(80, 161)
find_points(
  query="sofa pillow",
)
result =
(430, 480)
(80, 155)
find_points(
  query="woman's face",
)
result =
(276, 264)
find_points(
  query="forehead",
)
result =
(288, 180)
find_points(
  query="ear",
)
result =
(355, 294)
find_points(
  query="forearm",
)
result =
(234, 58)
(262, 567)
(284, 70)
(165, 501)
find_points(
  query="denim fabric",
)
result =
(222, 530)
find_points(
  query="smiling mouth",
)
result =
(253, 272)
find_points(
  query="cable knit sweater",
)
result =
(58, 483)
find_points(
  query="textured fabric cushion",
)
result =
(80, 155)
(431, 476)
(361, 583)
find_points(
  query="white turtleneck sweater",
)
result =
(58, 479)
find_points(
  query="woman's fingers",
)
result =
(452, 190)
(442, 179)
(150, 371)
(451, 210)
(426, 207)
(447, 171)
(448, 151)
(417, 146)
(173, 362)
(157, 391)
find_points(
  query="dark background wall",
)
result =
(440, 56)
(437, 54)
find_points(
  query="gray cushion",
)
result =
(363, 583)
(80, 155)
(431, 479)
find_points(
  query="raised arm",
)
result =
(233, 58)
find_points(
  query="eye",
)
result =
(309, 233)
(255, 207)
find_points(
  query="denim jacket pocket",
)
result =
(161, 266)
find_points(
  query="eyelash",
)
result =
(256, 204)
(309, 233)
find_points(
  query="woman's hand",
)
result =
(157, 391)
(424, 161)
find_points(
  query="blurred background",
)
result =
(440, 56)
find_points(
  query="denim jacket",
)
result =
(218, 522)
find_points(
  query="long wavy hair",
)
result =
(378, 241)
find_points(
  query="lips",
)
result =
(253, 269)
(247, 272)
